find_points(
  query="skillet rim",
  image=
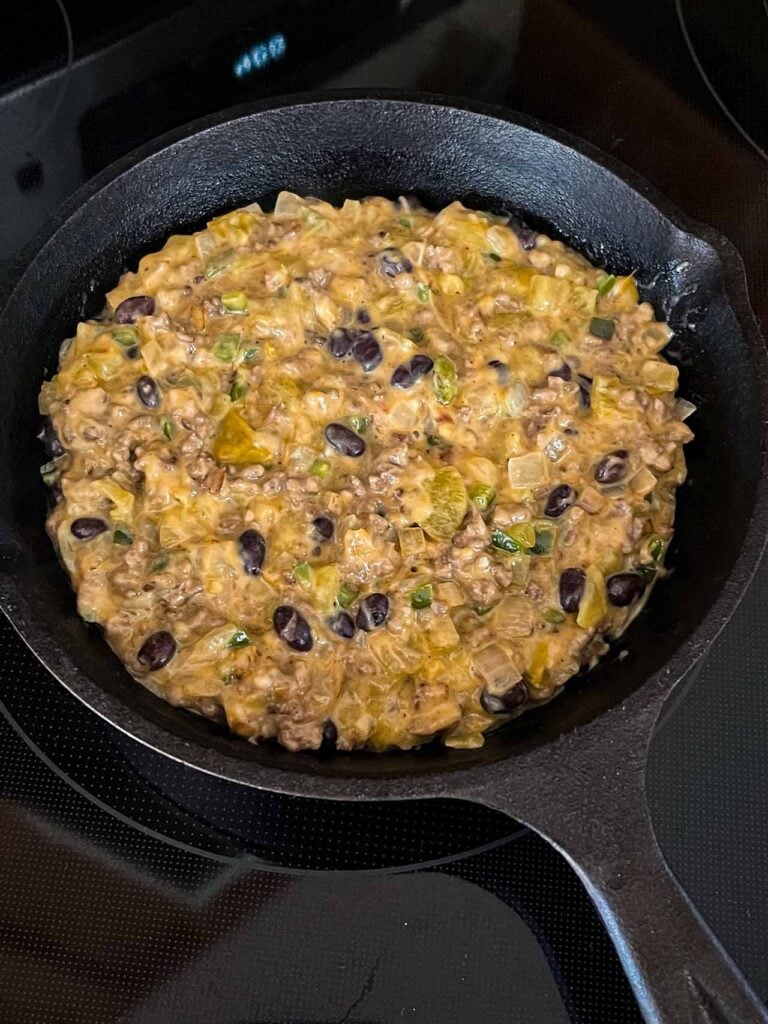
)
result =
(429, 781)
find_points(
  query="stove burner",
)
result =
(223, 818)
(729, 46)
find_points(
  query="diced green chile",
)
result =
(445, 380)
(238, 639)
(602, 328)
(421, 597)
(502, 540)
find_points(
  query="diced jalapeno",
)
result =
(494, 256)
(416, 334)
(235, 302)
(656, 547)
(345, 596)
(421, 597)
(160, 562)
(301, 573)
(239, 388)
(543, 544)
(238, 639)
(125, 336)
(501, 539)
(483, 495)
(121, 536)
(558, 339)
(167, 428)
(554, 616)
(226, 347)
(602, 328)
(605, 283)
(358, 423)
(320, 468)
(422, 292)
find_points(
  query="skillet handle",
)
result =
(677, 969)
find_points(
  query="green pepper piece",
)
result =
(121, 536)
(502, 541)
(320, 468)
(345, 596)
(543, 544)
(235, 302)
(421, 597)
(226, 347)
(445, 380)
(438, 442)
(301, 573)
(422, 292)
(239, 388)
(358, 423)
(404, 222)
(605, 283)
(647, 572)
(252, 355)
(416, 334)
(160, 562)
(483, 495)
(602, 328)
(554, 616)
(167, 428)
(558, 339)
(125, 336)
(494, 256)
(656, 548)
(238, 639)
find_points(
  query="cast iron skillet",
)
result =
(574, 770)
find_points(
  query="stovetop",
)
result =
(135, 890)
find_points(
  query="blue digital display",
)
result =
(260, 56)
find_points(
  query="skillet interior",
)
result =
(356, 147)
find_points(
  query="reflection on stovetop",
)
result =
(89, 809)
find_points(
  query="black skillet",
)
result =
(574, 770)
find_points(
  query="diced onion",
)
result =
(443, 635)
(643, 482)
(289, 206)
(548, 293)
(684, 409)
(658, 377)
(495, 667)
(526, 471)
(450, 593)
(513, 616)
(517, 396)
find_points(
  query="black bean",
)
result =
(342, 624)
(564, 372)
(526, 236)
(87, 527)
(624, 588)
(340, 343)
(504, 703)
(560, 499)
(367, 351)
(330, 736)
(572, 583)
(322, 527)
(344, 440)
(373, 612)
(293, 628)
(585, 391)
(157, 650)
(406, 374)
(393, 262)
(612, 467)
(51, 443)
(136, 306)
(147, 391)
(363, 316)
(253, 549)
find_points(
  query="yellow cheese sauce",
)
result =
(364, 476)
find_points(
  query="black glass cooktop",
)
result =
(137, 891)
